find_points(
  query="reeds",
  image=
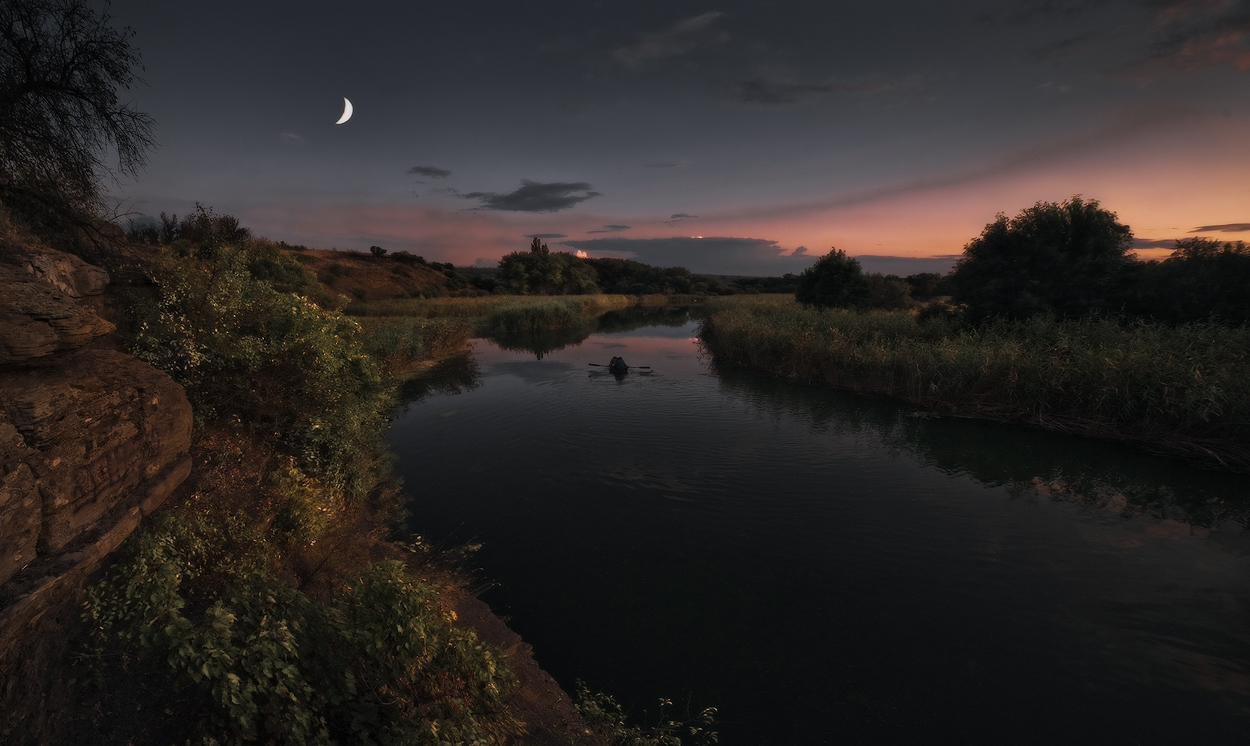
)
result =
(499, 313)
(479, 307)
(1186, 387)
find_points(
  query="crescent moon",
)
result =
(347, 111)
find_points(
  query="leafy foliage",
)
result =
(636, 278)
(834, 281)
(276, 361)
(1069, 259)
(1202, 279)
(887, 292)
(540, 271)
(379, 662)
(606, 721)
(61, 66)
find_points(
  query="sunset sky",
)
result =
(730, 137)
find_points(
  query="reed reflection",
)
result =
(453, 375)
(1029, 463)
(544, 342)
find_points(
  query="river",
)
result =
(828, 568)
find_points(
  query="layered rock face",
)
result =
(90, 439)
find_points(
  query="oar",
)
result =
(601, 365)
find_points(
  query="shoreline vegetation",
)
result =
(1180, 390)
(275, 597)
(497, 314)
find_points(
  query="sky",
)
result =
(726, 137)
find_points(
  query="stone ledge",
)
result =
(31, 592)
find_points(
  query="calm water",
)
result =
(826, 568)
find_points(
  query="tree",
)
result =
(834, 281)
(1202, 279)
(1070, 259)
(61, 68)
(541, 271)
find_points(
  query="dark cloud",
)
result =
(545, 235)
(534, 196)
(773, 93)
(1040, 11)
(712, 255)
(1153, 243)
(1224, 228)
(907, 265)
(675, 40)
(665, 164)
(433, 172)
(1061, 48)
(610, 229)
(677, 217)
(1195, 35)
(744, 256)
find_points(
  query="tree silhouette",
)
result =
(61, 67)
(834, 281)
(1070, 259)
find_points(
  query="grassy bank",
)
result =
(1183, 389)
(498, 313)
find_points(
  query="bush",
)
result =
(276, 361)
(887, 292)
(927, 285)
(407, 257)
(377, 662)
(607, 725)
(834, 281)
(1203, 279)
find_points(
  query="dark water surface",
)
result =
(826, 568)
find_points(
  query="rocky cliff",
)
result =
(91, 439)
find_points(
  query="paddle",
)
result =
(601, 365)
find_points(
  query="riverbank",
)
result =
(498, 314)
(1182, 391)
(270, 597)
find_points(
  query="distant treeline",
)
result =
(1066, 260)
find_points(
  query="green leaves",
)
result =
(379, 662)
(278, 361)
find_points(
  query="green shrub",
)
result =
(275, 361)
(378, 662)
(607, 725)
(306, 509)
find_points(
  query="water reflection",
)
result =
(451, 376)
(543, 343)
(1028, 462)
(828, 568)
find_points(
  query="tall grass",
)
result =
(481, 307)
(1185, 388)
(400, 344)
(557, 313)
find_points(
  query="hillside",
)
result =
(364, 277)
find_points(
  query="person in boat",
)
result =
(617, 365)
